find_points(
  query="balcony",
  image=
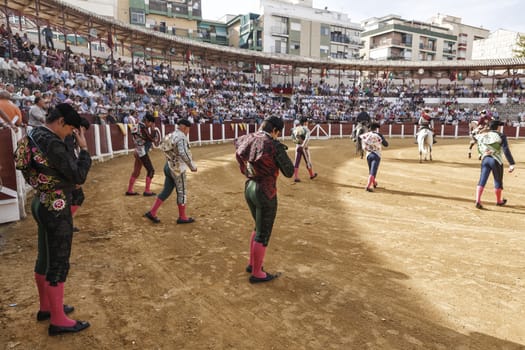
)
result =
(397, 57)
(339, 38)
(279, 30)
(158, 6)
(427, 47)
(279, 49)
(391, 42)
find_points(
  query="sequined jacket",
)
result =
(48, 166)
(260, 158)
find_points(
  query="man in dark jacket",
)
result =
(261, 156)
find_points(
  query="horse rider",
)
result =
(426, 122)
(484, 120)
(362, 121)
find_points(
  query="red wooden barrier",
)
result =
(7, 164)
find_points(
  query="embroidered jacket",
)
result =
(177, 150)
(301, 135)
(494, 144)
(50, 168)
(372, 142)
(260, 158)
(142, 138)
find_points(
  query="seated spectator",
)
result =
(43, 56)
(33, 81)
(35, 52)
(85, 106)
(4, 69)
(22, 97)
(3, 30)
(37, 113)
(19, 70)
(77, 101)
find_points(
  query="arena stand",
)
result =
(111, 140)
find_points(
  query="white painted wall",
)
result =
(105, 8)
(499, 44)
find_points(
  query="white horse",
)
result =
(359, 130)
(424, 143)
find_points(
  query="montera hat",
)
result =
(276, 122)
(185, 122)
(71, 117)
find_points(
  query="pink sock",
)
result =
(296, 173)
(182, 211)
(156, 206)
(148, 184)
(479, 192)
(371, 181)
(498, 195)
(56, 301)
(74, 209)
(252, 237)
(131, 183)
(42, 295)
(258, 257)
(311, 171)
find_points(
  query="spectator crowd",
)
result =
(123, 91)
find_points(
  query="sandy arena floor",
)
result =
(412, 266)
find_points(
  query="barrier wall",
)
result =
(107, 141)
(9, 201)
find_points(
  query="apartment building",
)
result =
(294, 27)
(245, 31)
(394, 38)
(467, 35)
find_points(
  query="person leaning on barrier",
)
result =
(5, 122)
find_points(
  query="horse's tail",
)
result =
(424, 140)
(421, 144)
(429, 140)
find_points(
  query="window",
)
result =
(137, 17)
(406, 39)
